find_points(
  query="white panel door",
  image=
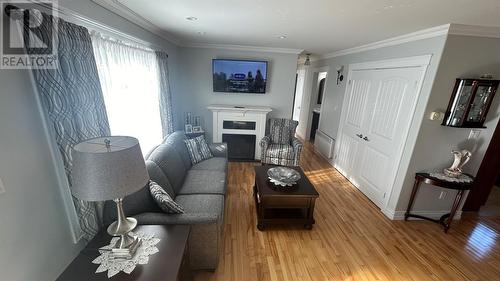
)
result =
(390, 107)
(350, 138)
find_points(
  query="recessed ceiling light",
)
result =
(192, 18)
(282, 37)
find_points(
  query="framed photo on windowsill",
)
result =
(197, 129)
(188, 128)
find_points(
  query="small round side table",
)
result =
(446, 219)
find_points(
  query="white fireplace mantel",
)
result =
(257, 114)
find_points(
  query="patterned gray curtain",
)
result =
(167, 119)
(71, 94)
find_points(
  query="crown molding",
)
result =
(410, 37)
(474, 30)
(91, 24)
(447, 29)
(118, 8)
(244, 48)
(123, 11)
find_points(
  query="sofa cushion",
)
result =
(133, 204)
(204, 182)
(157, 175)
(198, 209)
(198, 149)
(170, 162)
(161, 218)
(176, 139)
(213, 164)
(211, 204)
(163, 199)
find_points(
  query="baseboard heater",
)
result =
(324, 144)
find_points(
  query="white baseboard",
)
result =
(400, 215)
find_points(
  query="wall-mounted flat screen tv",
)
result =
(239, 76)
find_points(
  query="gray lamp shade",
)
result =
(105, 172)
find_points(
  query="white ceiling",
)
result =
(317, 26)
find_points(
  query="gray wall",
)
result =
(463, 57)
(196, 83)
(35, 239)
(334, 94)
(429, 144)
(331, 109)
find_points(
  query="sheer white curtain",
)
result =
(131, 87)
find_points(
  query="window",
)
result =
(130, 84)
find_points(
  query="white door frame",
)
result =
(415, 61)
(305, 108)
(299, 91)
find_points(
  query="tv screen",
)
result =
(239, 76)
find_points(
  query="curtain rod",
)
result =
(92, 25)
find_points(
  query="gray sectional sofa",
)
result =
(200, 189)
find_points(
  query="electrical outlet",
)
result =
(474, 134)
(2, 187)
(442, 195)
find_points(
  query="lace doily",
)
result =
(114, 266)
(461, 179)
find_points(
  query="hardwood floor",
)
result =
(351, 240)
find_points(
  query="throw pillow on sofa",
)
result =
(198, 149)
(163, 199)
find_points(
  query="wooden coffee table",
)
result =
(280, 205)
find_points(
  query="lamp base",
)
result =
(127, 244)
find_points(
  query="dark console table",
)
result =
(446, 219)
(283, 205)
(169, 264)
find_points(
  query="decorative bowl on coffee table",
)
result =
(283, 176)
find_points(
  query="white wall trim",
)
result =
(93, 25)
(415, 61)
(414, 36)
(451, 28)
(123, 11)
(244, 48)
(400, 215)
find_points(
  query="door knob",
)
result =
(366, 139)
(359, 136)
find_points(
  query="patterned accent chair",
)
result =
(280, 146)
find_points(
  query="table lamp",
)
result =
(110, 168)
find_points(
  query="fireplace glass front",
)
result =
(240, 147)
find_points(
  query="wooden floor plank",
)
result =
(351, 240)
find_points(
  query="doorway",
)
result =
(484, 197)
(317, 100)
(299, 91)
(491, 207)
(313, 94)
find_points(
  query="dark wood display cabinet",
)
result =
(470, 102)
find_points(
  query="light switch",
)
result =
(474, 134)
(2, 188)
